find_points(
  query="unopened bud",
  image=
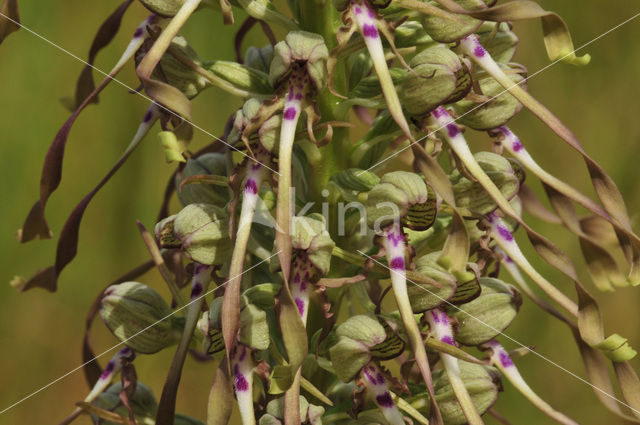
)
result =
(206, 164)
(304, 48)
(472, 195)
(485, 317)
(447, 31)
(495, 112)
(138, 316)
(403, 196)
(438, 77)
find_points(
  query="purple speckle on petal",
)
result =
(379, 379)
(290, 95)
(385, 400)
(397, 263)
(505, 130)
(290, 113)
(517, 146)
(300, 304)
(108, 369)
(439, 112)
(243, 354)
(505, 360)
(303, 286)
(505, 233)
(508, 259)
(196, 290)
(369, 30)
(251, 187)
(395, 238)
(435, 316)
(479, 51)
(452, 130)
(298, 96)
(241, 382)
(147, 117)
(357, 10)
(138, 33)
(296, 278)
(447, 340)
(256, 166)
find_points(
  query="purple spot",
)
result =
(241, 382)
(303, 286)
(479, 51)
(290, 95)
(300, 305)
(435, 316)
(505, 360)
(368, 375)
(296, 278)
(370, 13)
(290, 113)
(517, 146)
(395, 238)
(256, 166)
(397, 263)
(447, 340)
(505, 233)
(126, 351)
(108, 369)
(358, 10)
(379, 379)
(439, 112)
(138, 33)
(452, 130)
(251, 187)
(196, 290)
(242, 355)
(369, 30)
(504, 130)
(385, 400)
(508, 259)
(147, 117)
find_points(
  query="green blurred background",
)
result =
(41, 333)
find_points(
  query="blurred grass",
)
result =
(41, 333)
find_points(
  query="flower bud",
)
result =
(423, 299)
(165, 235)
(495, 112)
(143, 404)
(259, 59)
(496, 306)
(311, 236)
(242, 77)
(482, 383)
(500, 44)
(439, 77)
(300, 47)
(361, 338)
(403, 196)
(242, 118)
(309, 413)
(411, 34)
(177, 73)
(446, 31)
(254, 328)
(471, 195)
(207, 164)
(356, 179)
(203, 231)
(132, 308)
